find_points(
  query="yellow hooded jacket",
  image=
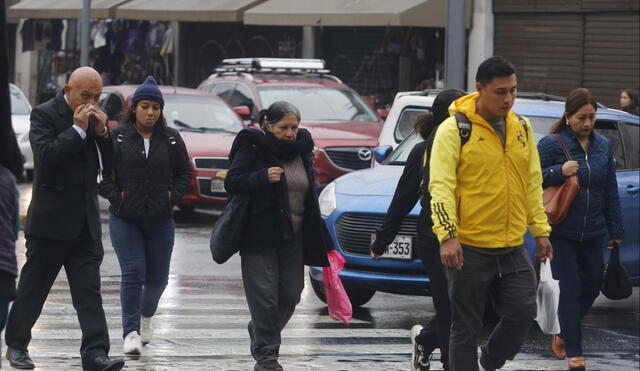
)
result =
(486, 194)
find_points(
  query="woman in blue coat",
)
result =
(593, 221)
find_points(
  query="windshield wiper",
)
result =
(184, 126)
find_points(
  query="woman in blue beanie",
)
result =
(150, 174)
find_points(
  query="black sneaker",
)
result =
(270, 365)
(419, 360)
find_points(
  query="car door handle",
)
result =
(632, 189)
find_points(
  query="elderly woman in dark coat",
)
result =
(284, 230)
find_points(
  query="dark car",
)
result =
(207, 125)
(343, 126)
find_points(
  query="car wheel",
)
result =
(318, 289)
(357, 296)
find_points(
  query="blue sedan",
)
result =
(355, 204)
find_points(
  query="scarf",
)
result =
(267, 143)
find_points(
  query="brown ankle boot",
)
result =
(557, 346)
(577, 364)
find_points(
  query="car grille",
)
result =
(347, 157)
(211, 162)
(354, 231)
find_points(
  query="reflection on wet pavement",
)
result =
(202, 317)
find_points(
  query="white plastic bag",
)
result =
(548, 299)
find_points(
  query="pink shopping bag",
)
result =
(337, 299)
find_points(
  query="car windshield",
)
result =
(18, 105)
(541, 127)
(320, 104)
(400, 154)
(200, 113)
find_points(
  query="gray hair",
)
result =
(276, 112)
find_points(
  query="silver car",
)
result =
(20, 111)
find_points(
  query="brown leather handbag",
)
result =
(558, 199)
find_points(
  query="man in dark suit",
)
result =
(69, 141)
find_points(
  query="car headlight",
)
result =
(327, 199)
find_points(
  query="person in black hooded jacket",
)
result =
(283, 231)
(151, 173)
(412, 186)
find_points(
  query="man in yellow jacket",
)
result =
(486, 190)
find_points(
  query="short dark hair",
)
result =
(494, 67)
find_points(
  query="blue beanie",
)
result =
(148, 91)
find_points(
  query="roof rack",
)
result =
(273, 65)
(541, 96)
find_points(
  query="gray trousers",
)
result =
(510, 281)
(273, 282)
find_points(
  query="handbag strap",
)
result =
(563, 146)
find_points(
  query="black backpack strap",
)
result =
(464, 128)
(172, 141)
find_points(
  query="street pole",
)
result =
(84, 37)
(454, 52)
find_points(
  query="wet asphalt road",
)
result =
(201, 322)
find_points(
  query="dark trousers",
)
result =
(81, 258)
(144, 252)
(436, 333)
(273, 282)
(578, 266)
(510, 281)
(4, 310)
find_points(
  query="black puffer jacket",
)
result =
(144, 188)
(269, 219)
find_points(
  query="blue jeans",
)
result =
(578, 266)
(144, 253)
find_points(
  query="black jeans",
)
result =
(510, 281)
(436, 333)
(578, 266)
(81, 259)
(273, 282)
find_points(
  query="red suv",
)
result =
(343, 126)
(208, 127)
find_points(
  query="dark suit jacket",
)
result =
(64, 196)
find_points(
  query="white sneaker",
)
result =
(146, 330)
(132, 343)
(418, 360)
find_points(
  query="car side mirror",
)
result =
(243, 111)
(112, 123)
(383, 113)
(381, 153)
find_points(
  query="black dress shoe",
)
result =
(104, 363)
(19, 359)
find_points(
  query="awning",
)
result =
(65, 9)
(186, 10)
(418, 13)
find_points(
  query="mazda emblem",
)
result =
(364, 154)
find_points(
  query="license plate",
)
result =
(217, 186)
(400, 248)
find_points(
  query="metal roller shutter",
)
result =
(546, 49)
(611, 54)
